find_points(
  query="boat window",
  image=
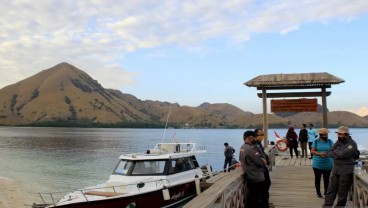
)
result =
(193, 161)
(180, 165)
(148, 167)
(123, 167)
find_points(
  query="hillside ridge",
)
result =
(64, 95)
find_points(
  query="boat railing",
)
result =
(52, 198)
(178, 148)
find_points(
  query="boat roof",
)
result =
(167, 151)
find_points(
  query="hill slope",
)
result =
(66, 96)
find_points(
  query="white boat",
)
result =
(165, 176)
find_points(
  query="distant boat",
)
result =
(165, 176)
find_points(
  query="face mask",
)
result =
(254, 141)
(341, 138)
(260, 138)
(323, 137)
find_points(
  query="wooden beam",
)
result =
(294, 94)
(293, 87)
(265, 118)
(324, 108)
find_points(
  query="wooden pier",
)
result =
(292, 186)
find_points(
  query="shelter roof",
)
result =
(300, 80)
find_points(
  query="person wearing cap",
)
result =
(322, 164)
(341, 178)
(228, 152)
(312, 135)
(252, 165)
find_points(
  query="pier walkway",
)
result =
(292, 186)
(293, 183)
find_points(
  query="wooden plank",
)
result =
(211, 195)
(293, 94)
(103, 193)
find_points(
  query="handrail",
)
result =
(161, 183)
(229, 191)
(359, 191)
(226, 192)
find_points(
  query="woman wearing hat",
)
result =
(322, 164)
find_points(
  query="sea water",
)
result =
(60, 159)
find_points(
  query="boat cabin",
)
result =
(164, 159)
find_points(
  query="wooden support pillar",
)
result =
(265, 121)
(324, 107)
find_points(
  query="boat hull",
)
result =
(178, 194)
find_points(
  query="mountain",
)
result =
(67, 96)
(63, 92)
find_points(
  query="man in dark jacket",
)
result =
(260, 136)
(252, 164)
(303, 139)
(229, 151)
(341, 178)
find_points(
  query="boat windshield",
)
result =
(147, 167)
(123, 167)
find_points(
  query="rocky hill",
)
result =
(66, 96)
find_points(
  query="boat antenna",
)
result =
(167, 120)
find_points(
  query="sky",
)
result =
(190, 52)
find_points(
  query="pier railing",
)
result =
(229, 191)
(359, 192)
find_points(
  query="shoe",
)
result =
(310, 158)
(319, 196)
(301, 156)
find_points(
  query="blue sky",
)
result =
(190, 52)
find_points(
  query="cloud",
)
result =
(362, 111)
(38, 34)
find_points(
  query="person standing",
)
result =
(253, 167)
(292, 139)
(303, 139)
(322, 164)
(312, 135)
(260, 136)
(228, 152)
(341, 178)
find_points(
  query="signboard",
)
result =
(294, 105)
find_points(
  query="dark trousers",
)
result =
(227, 161)
(256, 197)
(340, 186)
(295, 148)
(318, 173)
(267, 182)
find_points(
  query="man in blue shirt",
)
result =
(312, 135)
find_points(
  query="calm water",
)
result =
(52, 159)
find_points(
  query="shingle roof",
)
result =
(294, 80)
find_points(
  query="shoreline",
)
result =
(13, 194)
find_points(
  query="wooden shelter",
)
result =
(300, 81)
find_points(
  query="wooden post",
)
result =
(265, 121)
(324, 107)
